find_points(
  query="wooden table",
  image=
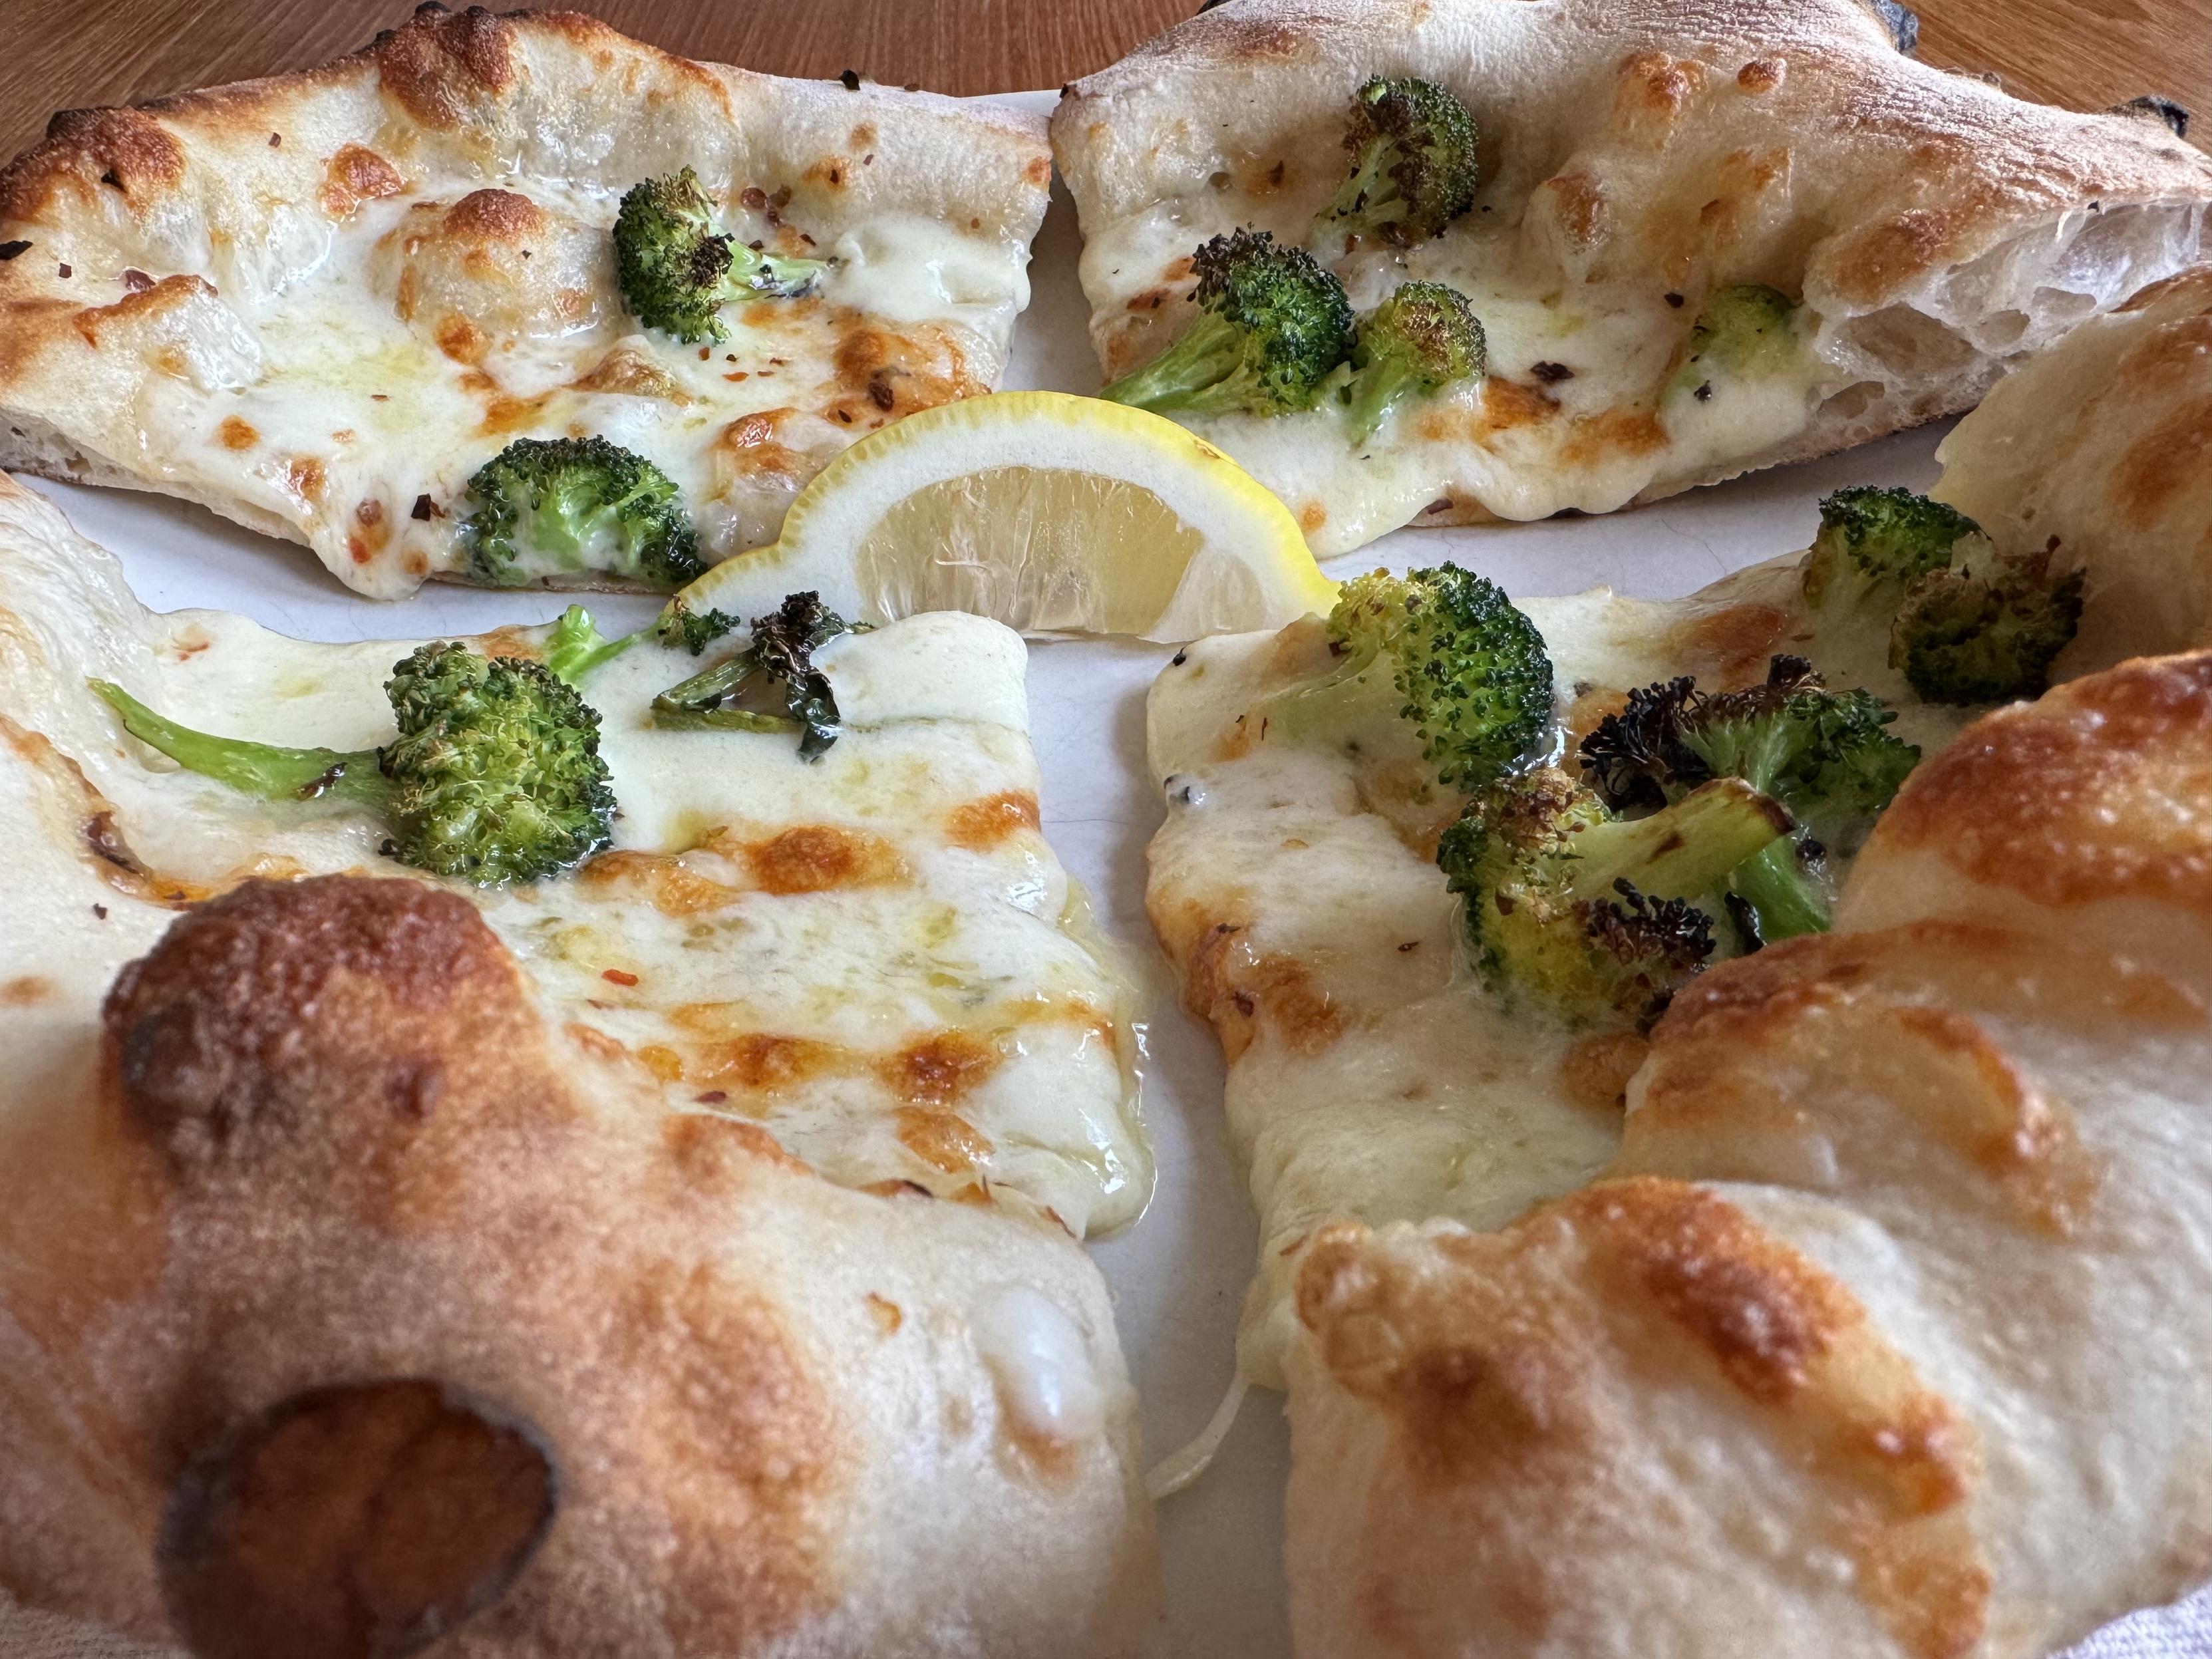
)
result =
(57, 55)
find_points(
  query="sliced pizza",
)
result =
(1457, 261)
(1435, 867)
(505, 299)
(354, 1300)
(868, 951)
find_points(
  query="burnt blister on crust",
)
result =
(359, 1520)
(213, 1038)
(2173, 116)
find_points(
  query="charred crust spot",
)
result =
(357, 1522)
(849, 79)
(356, 174)
(223, 1031)
(438, 63)
(10, 250)
(127, 146)
(502, 215)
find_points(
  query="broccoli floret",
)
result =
(776, 667)
(1965, 623)
(494, 776)
(549, 505)
(1745, 330)
(677, 270)
(1421, 340)
(1875, 542)
(1824, 755)
(1272, 323)
(1413, 165)
(695, 630)
(1446, 651)
(1968, 635)
(1591, 916)
(575, 647)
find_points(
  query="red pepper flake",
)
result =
(100, 910)
(275, 141)
(136, 280)
(713, 1096)
(754, 197)
(739, 375)
(425, 509)
(616, 977)
(65, 271)
(705, 353)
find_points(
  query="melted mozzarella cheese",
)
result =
(352, 377)
(1382, 1081)
(874, 956)
(1575, 412)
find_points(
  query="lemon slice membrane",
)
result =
(1050, 512)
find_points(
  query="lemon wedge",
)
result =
(1050, 512)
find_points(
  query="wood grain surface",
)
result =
(58, 55)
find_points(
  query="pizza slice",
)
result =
(352, 1300)
(504, 299)
(1459, 261)
(1456, 881)
(868, 951)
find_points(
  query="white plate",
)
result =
(1179, 1275)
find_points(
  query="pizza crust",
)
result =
(315, 303)
(1940, 229)
(322, 1133)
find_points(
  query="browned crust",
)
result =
(1496, 1362)
(361, 1153)
(2098, 790)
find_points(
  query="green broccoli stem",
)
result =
(1681, 851)
(263, 769)
(1374, 392)
(1188, 373)
(757, 275)
(704, 701)
(576, 646)
(1773, 882)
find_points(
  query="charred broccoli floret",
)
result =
(1986, 632)
(1413, 165)
(771, 685)
(1445, 651)
(575, 647)
(1421, 340)
(1272, 323)
(1746, 329)
(1965, 623)
(677, 270)
(1824, 755)
(547, 506)
(1594, 917)
(494, 776)
(695, 630)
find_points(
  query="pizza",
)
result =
(1634, 1173)
(873, 954)
(1445, 262)
(814, 1061)
(322, 304)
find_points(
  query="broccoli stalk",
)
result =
(677, 270)
(547, 506)
(777, 667)
(1272, 323)
(1414, 167)
(575, 647)
(494, 776)
(1422, 338)
(1823, 754)
(1746, 329)
(1965, 623)
(1588, 915)
(1445, 651)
